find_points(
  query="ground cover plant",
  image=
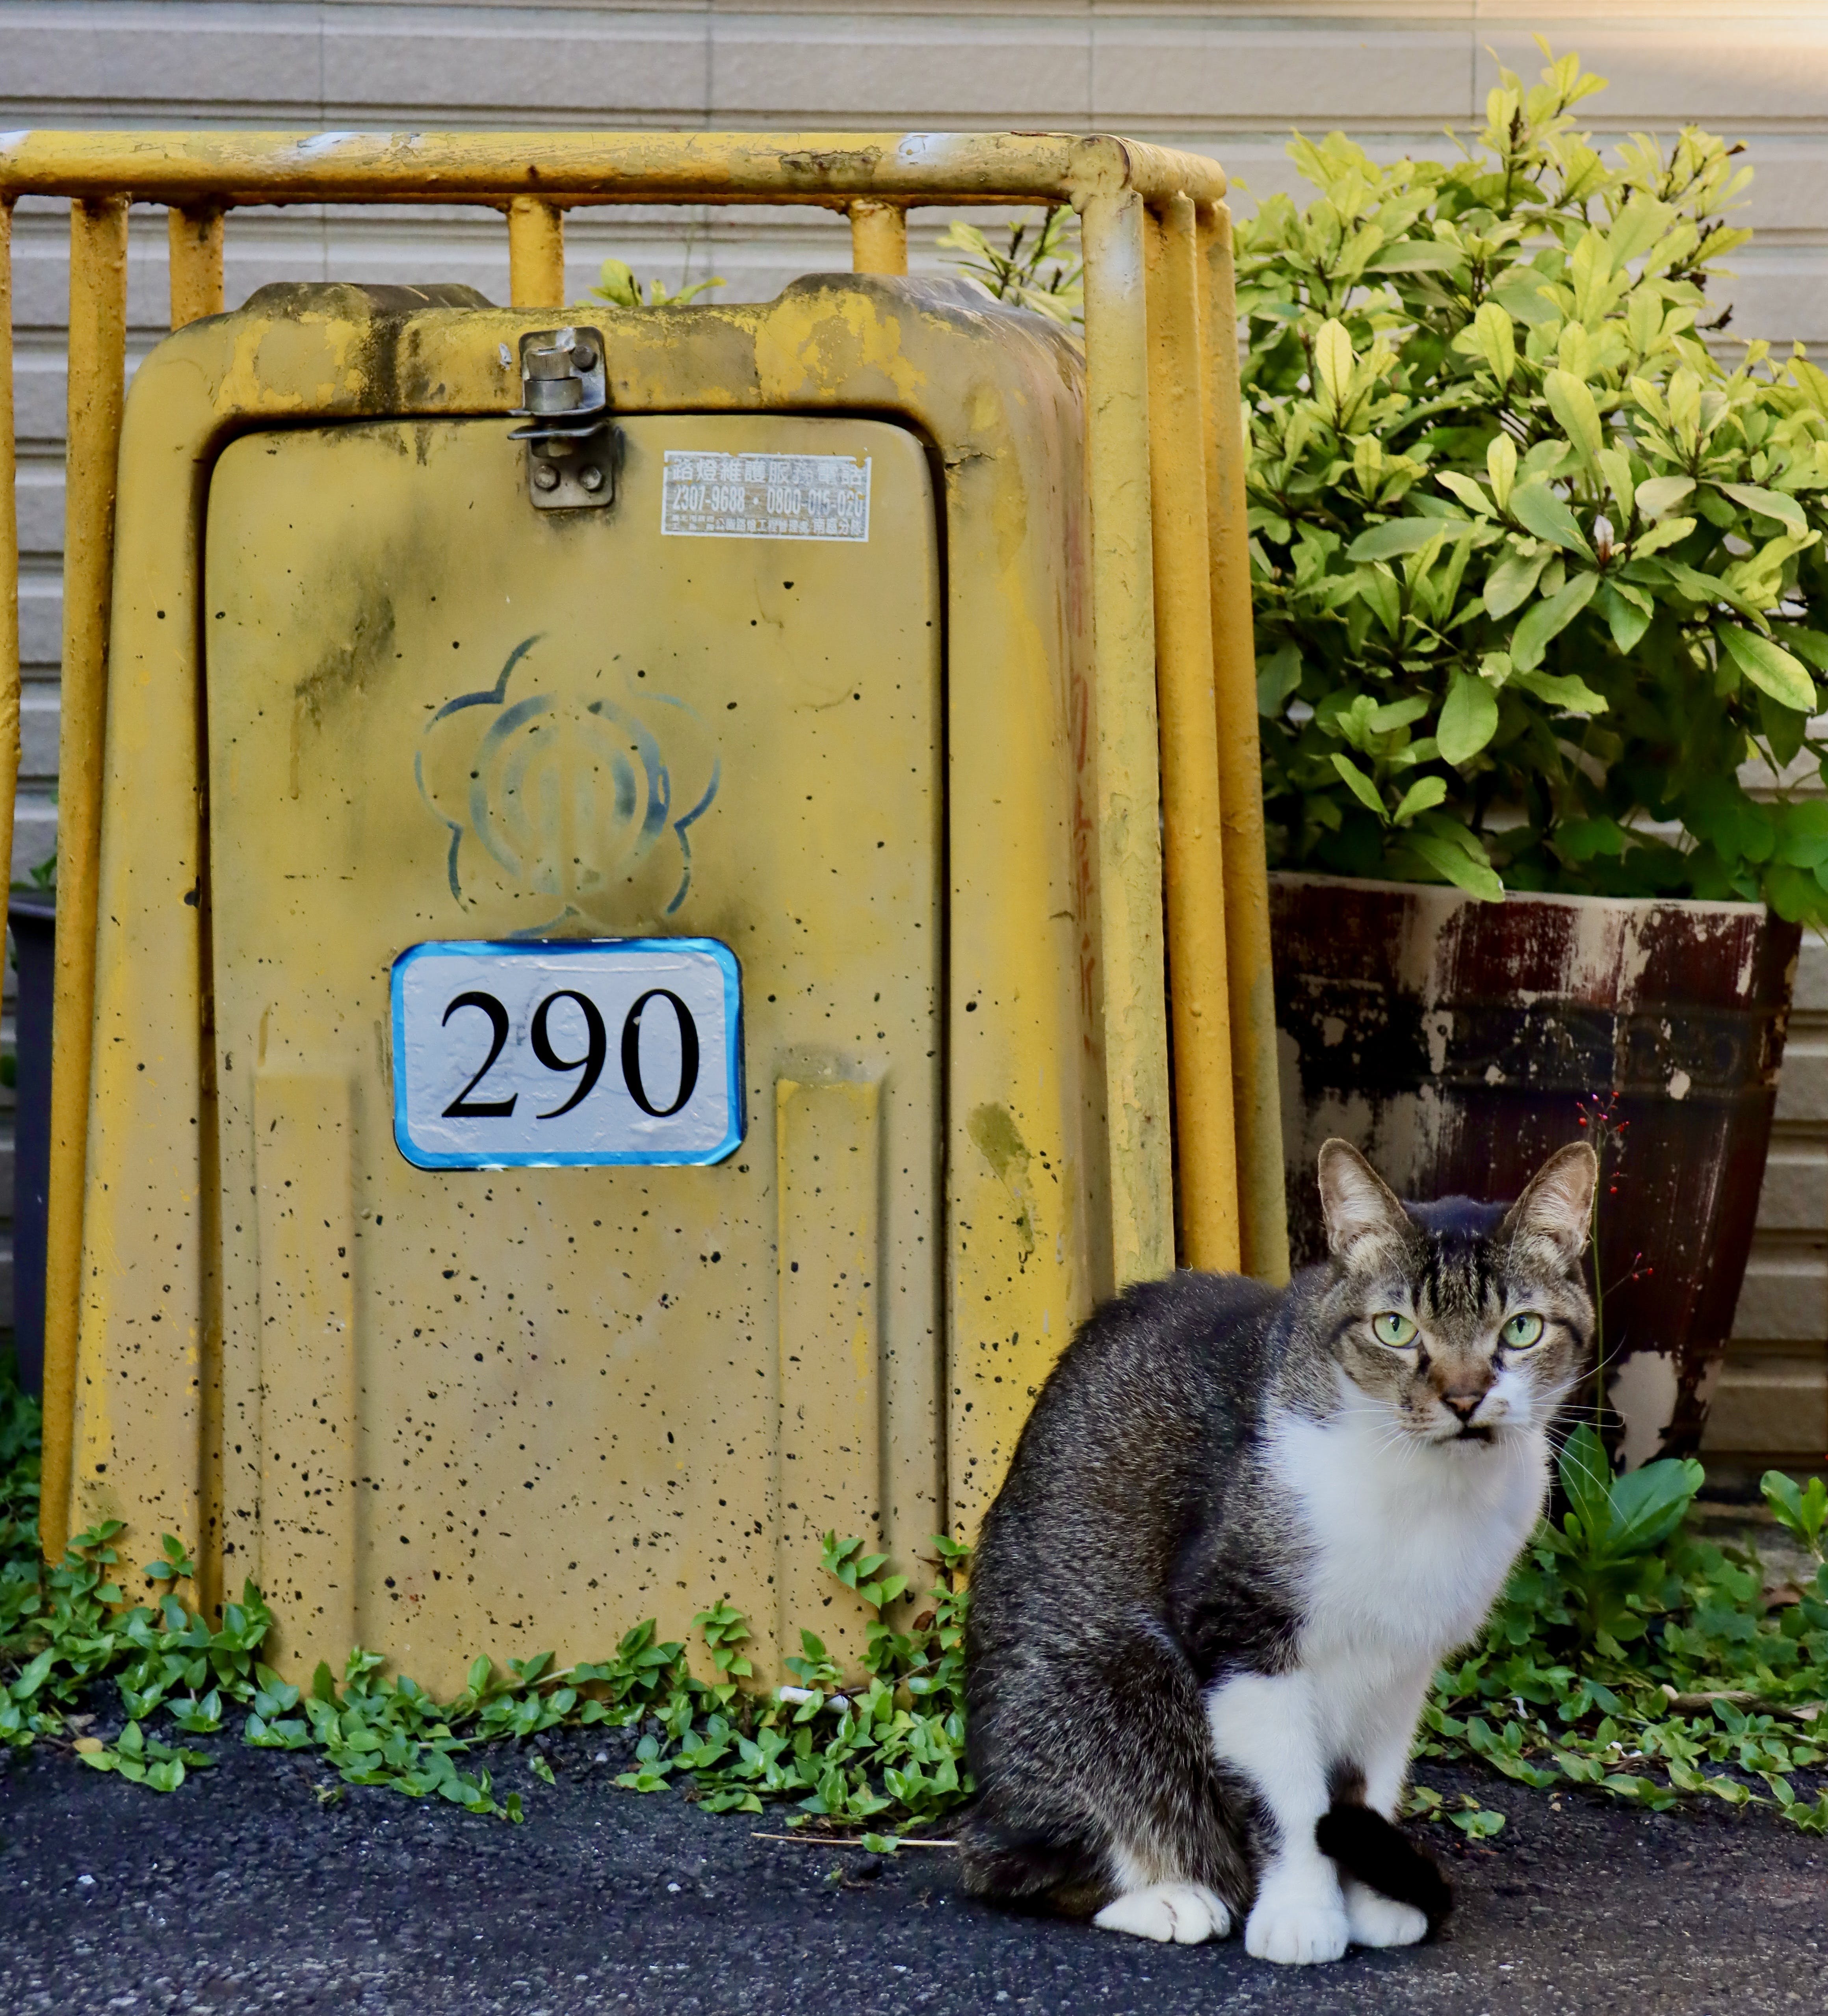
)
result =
(884, 1746)
(1629, 1656)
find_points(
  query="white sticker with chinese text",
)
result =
(712, 495)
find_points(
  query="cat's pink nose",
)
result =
(1466, 1405)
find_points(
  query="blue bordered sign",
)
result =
(553, 1053)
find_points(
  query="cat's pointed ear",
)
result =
(1358, 1206)
(1557, 1206)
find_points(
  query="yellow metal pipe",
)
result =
(9, 557)
(536, 253)
(600, 167)
(1127, 790)
(1262, 1199)
(879, 237)
(97, 360)
(195, 234)
(1206, 1165)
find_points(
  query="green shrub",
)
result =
(1041, 269)
(617, 285)
(1532, 567)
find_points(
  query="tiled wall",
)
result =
(1228, 80)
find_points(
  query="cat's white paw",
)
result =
(1297, 1931)
(1374, 1920)
(1185, 1914)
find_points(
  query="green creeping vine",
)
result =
(887, 1750)
(1631, 1656)
(1627, 1656)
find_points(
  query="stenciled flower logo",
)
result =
(568, 793)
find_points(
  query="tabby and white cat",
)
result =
(1240, 1530)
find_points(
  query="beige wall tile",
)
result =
(549, 65)
(1785, 1298)
(1811, 982)
(1802, 1090)
(1767, 1404)
(899, 67)
(1261, 71)
(1794, 1197)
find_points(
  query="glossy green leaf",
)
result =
(1802, 1509)
(1769, 666)
(1810, 646)
(1469, 719)
(1395, 713)
(1333, 359)
(1582, 839)
(1544, 620)
(1278, 676)
(1492, 332)
(1512, 582)
(1802, 839)
(1415, 256)
(1359, 785)
(1422, 796)
(1404, 535)
(1501, 467)
(1521, 296)
(1538, 509)
(1470, 494)
(1566, 691)
(1572, 404)
(1665, 532)
(1661, 494)
(1586, 1478)
(1626, 620)
(1771, 504)
(1452, 863)
(1647, 1505)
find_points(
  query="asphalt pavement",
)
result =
(242, 1892)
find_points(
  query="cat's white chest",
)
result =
(1407, 1544)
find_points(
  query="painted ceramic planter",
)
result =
(1458, 1043)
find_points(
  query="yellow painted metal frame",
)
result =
(1178, 801)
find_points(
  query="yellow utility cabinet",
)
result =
(643, 915)
(627, 878)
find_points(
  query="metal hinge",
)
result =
(573, 448)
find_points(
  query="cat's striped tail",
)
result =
(1368, 1846)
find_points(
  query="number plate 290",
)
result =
(557, 1053)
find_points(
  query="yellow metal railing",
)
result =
(1174, 669)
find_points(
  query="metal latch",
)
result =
(573, 446)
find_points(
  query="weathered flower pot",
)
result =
(1458, 1043)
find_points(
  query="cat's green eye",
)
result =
(1522, 1331)
(1395, 1331)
